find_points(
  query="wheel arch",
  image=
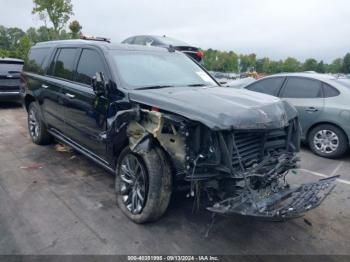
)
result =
(325, 123)
(27, 100)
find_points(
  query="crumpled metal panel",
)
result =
(220, 108)
(284, 204)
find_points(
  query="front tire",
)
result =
(36, 127)
(143, 184)
(328, 141)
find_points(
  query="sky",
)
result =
(273, 28)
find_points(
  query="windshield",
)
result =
(159, 69)
(344, 82)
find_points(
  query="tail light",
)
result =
(200, 54)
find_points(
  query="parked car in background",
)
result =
(239, 82)
(10, 72)
(165, 41)
(159, 126)
(323, 105)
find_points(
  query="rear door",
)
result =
(85, 113)
(307, 97)
(60, 72)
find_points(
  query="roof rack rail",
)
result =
(94, 38)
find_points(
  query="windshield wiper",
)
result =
(153, 87)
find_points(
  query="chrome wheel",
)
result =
(326, 141)
(133, 184)
(33, 124)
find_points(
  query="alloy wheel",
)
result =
(133, 184)
(33, 124)
(326, 141)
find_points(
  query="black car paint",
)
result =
(207, 123)
(10, 70)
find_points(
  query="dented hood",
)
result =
(219, 108)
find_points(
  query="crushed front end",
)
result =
(244, 171)
(240, 169)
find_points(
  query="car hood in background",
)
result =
(219, 108)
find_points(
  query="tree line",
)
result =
(55, 14)
(224, 61)
(15, 42)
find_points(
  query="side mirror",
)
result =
(99, 84)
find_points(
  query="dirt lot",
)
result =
(54, 202)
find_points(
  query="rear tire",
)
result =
(153, 171)
(36, 127)
(328, 141)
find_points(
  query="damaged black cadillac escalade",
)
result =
(156, 119)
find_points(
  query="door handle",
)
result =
(70, 95)
(312, 109)
(44, 86)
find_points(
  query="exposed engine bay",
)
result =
(240, 171)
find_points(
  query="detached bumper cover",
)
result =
(285, 204)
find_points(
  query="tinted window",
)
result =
(64, 63)
(268, 86)
(90, 62)
(329, 91)
(139, 40)
(302, 88)
(36, 60)
(128, 41)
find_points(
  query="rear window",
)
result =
(36, 60)
(10, 67)
(329, 91)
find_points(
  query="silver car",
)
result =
(323, 105)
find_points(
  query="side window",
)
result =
(64, 65)
(269, 86)
(129, 40)
(36, 60)
(90, 62)
(329, 91)
(148, 41)
(139, 40)
(302, 88)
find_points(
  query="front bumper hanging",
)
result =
(285, 204)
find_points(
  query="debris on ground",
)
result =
(307, 222)
(63, 148)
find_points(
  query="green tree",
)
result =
(75, 29)
(346, 64)
(58, 12)
(336, 66)
(321, 67)
(14, 35)
(23, 48)
(247, 62)
(291, 65)
(310, 65)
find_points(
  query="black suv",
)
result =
(10, 72)
(156, 119)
